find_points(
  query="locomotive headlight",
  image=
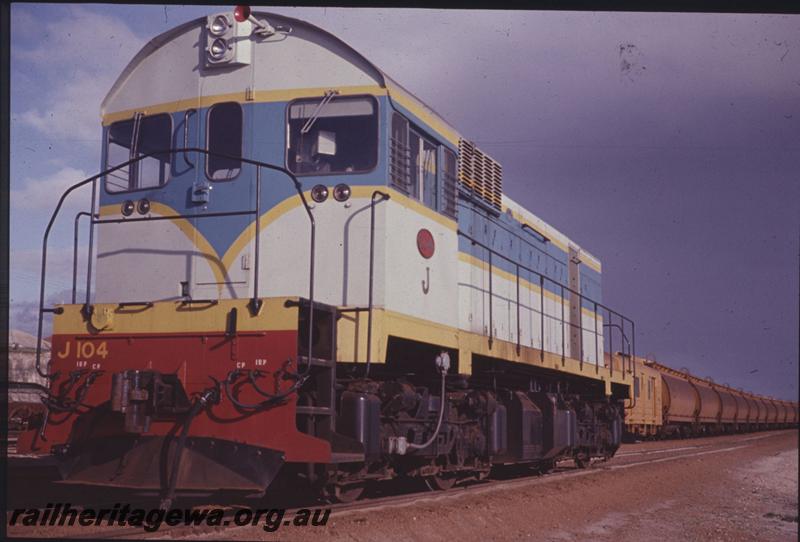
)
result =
(341, 192)
(219, 25)
(127, 207)
(143, 206)
(319, 193)
(218, 48)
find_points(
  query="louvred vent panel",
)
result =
(480, 174)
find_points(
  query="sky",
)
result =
(667, 145)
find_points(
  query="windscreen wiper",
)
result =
(315, 115)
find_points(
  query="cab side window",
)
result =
(414, 167)
(423, 169)
(224, 128)
(134, 138)
(332, 135)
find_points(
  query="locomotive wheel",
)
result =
(440, 482)
(346, 493)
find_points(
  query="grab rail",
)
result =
(75, 256)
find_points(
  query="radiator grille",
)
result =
(479, 174)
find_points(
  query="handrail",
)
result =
(563, 288)
(186, 115)
(75, 256)
(621, 332)
(381, 196)
(255, 301)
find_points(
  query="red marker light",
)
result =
(241, 13)
(425, 243)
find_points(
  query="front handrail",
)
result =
(75, 255)
(255, 300)
(377, 196)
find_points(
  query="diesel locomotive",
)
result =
(298, 272)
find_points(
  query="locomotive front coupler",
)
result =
(146, 395)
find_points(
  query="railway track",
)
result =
(406, 497)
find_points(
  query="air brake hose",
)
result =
(271, 399)
(299, 380)
(60, 403)
(443, 366)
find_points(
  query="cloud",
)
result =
(42, 194)
(79, 56)
(25, 273)
(26, 268)
(86, 40)
(73, 116)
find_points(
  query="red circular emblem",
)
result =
(425, 243)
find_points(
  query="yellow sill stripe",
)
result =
(389, 323)
(173, 317)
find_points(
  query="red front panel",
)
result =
(197, 359)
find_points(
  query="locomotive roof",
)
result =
(392, 86)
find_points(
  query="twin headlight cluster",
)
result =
(142, 206)
(218, 27)
(341, 193)
(227, 41)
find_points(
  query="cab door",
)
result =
(222, 266)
